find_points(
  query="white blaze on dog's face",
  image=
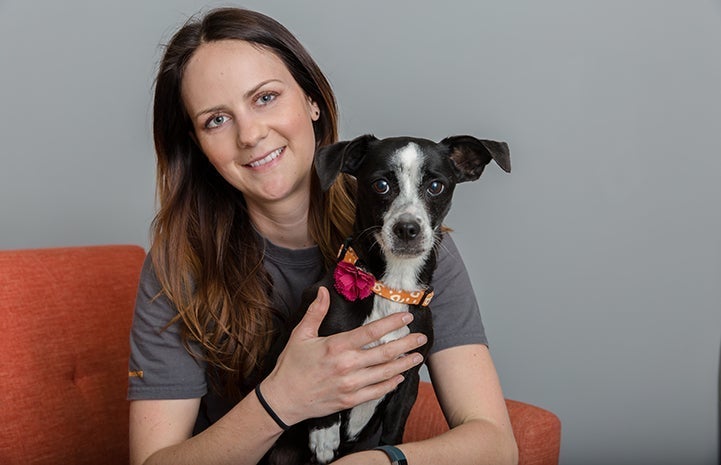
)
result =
(407, 232)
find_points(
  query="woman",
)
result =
(240, 108)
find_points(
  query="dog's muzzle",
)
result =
(409, 237)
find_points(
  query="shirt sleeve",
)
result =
(456, 316)
(160, 367)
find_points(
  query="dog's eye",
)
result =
(436, 188)
(381, 186)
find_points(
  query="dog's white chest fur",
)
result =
(381, 309)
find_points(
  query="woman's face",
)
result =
(251, 119)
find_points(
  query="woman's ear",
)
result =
(314, 110)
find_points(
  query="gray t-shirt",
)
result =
(161, 368)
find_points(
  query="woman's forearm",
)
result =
(242, 436)
(475, 443)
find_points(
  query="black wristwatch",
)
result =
(395, 454)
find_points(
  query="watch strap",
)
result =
(395, 454)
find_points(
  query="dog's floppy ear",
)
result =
(470, 155)
(345, 156)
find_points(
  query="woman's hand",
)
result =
(316, 376)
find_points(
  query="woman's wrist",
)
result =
(271, 402)
(269, 410)
(275, 399)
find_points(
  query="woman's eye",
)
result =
(266, 98)
(381, 186)
(436, 188)
(215, 121)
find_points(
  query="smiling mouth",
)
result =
(267, 159)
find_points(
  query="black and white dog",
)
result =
(404, 192)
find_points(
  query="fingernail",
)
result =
(417, 359)
(422, 339)
(407, 318)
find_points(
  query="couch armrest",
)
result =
(537, 431)
(65, 317)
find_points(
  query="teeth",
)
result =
(271, 156)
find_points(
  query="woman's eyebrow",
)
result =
(214, 109)
(255, 89)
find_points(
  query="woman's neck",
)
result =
(284, 224)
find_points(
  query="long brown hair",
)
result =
(207, 258)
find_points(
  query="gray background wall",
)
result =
(597, 261)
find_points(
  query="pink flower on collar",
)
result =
(353, 283)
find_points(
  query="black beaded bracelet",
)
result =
(270, 411)
(395, 454)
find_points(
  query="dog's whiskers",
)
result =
(368, 231)
(438, 244)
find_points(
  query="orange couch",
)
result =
(65, 314)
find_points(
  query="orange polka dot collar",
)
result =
(354, 283)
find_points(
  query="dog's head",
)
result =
(405, 184)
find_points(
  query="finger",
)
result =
(392, 350)
(317, 310)
(371, 332)
(375, 391)
(383, 372)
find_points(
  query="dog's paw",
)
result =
(324, 442)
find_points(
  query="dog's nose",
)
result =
(407, 229)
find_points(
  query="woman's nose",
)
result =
(251, 131)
